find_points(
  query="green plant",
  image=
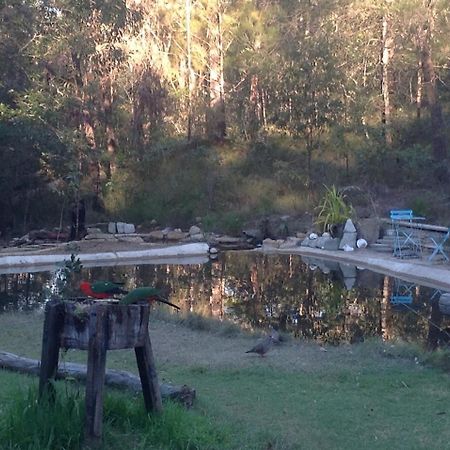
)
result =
(333, 209)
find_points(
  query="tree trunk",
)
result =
(215, 120)
(385, 79)
(115, 378)
(190, 74)
(439, 142)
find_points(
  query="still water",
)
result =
(328, 301)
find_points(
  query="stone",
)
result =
(112, 228)
(289, 243)
(228, 240)
(100, 236)
(129, 228)
(120, 227)
(199, 237)
(176, 235)
(348, 239)
(194, 230)
(331, 244)
(131, 239)
(93, 230)
(157, 235)
(369, 229)
(349, 227)
(272, 243)
(349, 283)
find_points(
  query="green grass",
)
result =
(372, 396)
(26, 423)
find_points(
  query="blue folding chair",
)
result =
(406, 240)
(439, 246)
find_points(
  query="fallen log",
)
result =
(115, 378)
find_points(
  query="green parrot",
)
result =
(148, 294)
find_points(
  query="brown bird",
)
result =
(263, 346)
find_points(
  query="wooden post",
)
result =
(149, 377)
(53, 325)
(95, 379)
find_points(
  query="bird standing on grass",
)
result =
(102, 289)
(263, 346)
(145, 294)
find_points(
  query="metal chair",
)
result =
(406, 239)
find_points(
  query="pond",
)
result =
(327, 301)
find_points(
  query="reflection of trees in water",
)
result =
(258, 290)
(23, 291)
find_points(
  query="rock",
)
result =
(199, 237)
(228, 240)
(100, 236)
(272, 243)
(331, 244)
(290, 242)
(369, 229)
(313, 236)
(194, 230)
(176, 235)
(93, 230)
(112, 228)
(158, 235)
(349, 227)
(133, 239)
(349, 240)
(213, 251)
(125, 228)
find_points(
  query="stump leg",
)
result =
(149, 377)
(53, 324)
(95, 377)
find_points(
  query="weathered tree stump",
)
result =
(98, 328)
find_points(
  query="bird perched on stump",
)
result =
(102, 289)
(145, 294)
(263, 346)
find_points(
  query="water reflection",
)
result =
(311, 298)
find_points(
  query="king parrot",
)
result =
(145, 293)
(101, 289)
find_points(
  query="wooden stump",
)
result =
(98, 328)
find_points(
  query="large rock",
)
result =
(176, 235)
(157, 235)
(194, 230)
(369, 229)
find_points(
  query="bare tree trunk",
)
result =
(419, 91)
(387, 52)
(439, 142)
(216, 124)
(109, 129)
(189, 68)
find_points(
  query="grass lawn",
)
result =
(372, 395)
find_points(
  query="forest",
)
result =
(170, 110)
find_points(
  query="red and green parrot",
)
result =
(101, 289)
(147, 294)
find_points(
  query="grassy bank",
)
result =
(373, 395)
